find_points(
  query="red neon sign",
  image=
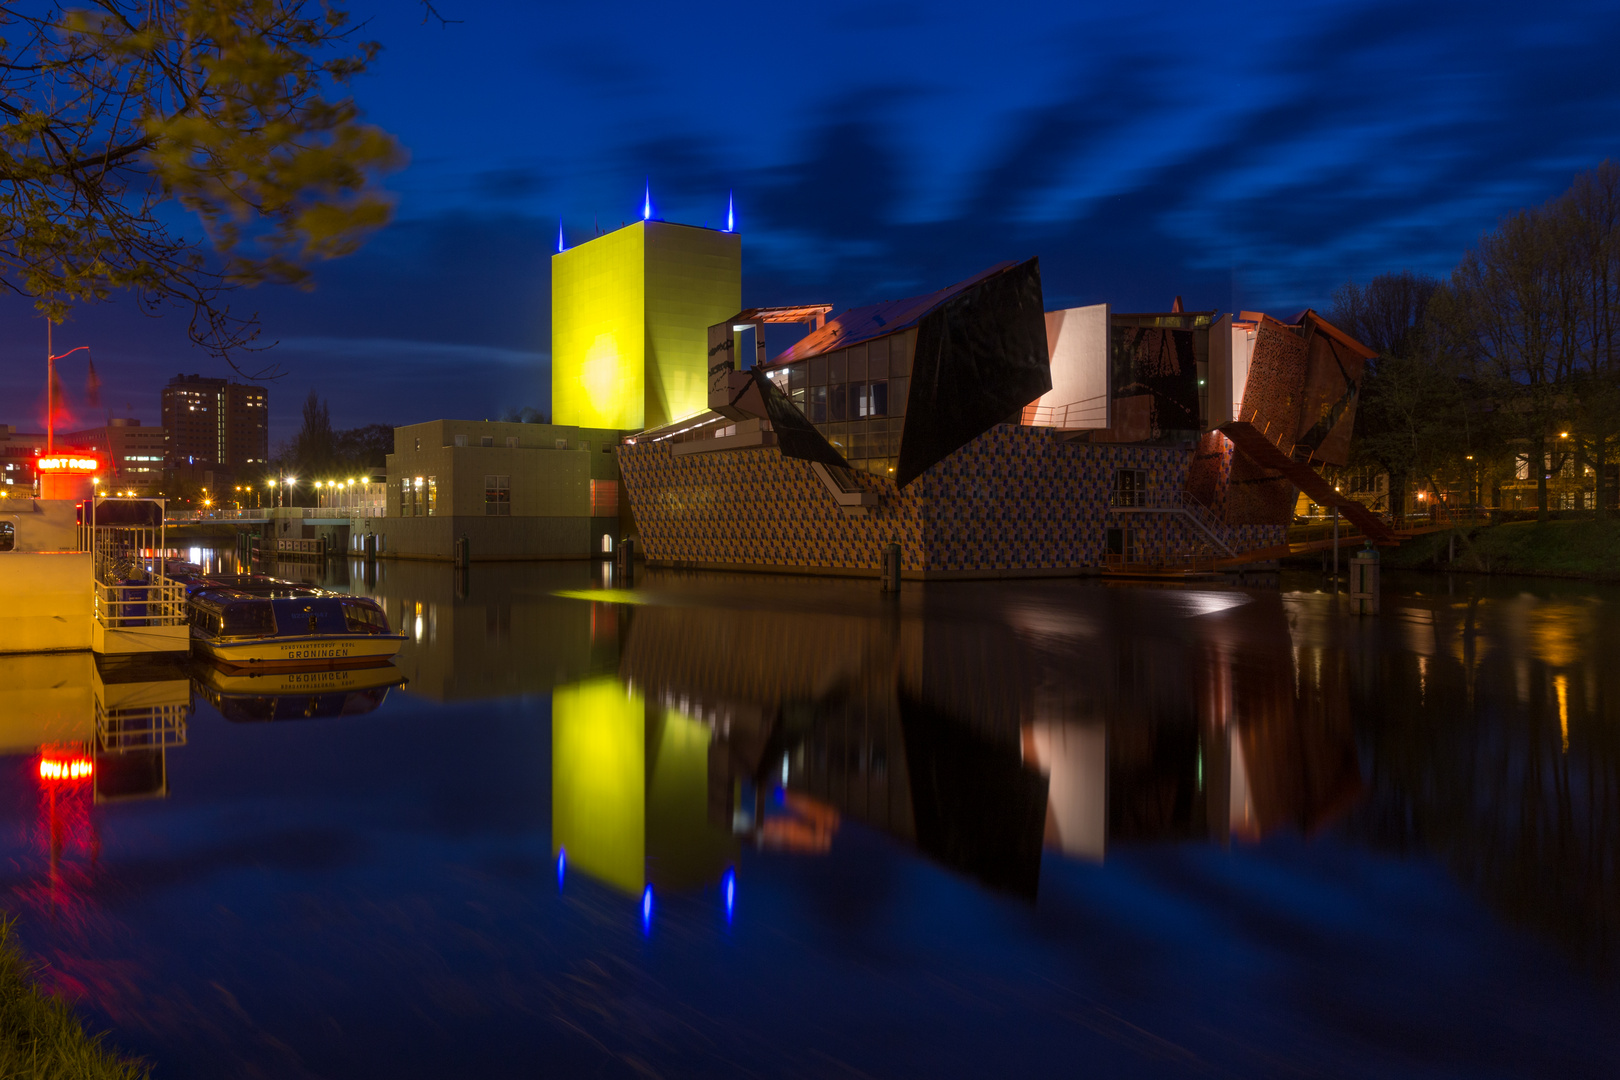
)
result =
(62, 464)
(75, 768)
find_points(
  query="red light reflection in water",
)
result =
(66, 830)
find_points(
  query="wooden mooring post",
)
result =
(1364, 581)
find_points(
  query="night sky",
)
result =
(1242, 156)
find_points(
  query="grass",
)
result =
(1582, 548)
(40, 1038)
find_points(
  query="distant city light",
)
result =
(68, 464)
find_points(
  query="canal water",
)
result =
(718, 825)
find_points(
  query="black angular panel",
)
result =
(976, 808)
(796, 436)
(981, 356)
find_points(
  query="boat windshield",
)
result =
(364, 617)
(236, 618)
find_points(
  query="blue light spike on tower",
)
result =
(560, 248)
(731, 211)
(646, 205)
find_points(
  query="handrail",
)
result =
(1059, 416)
(161, 602)
(1173, 500)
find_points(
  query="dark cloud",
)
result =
(1254, 160)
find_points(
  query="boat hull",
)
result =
(314, 653)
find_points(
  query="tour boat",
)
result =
(289, 629)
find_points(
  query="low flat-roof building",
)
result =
(515, 491)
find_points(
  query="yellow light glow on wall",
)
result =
(630, 313)
(598, 781)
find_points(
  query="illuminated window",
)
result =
(497, 496)
(432, 494)
(8, 536)
(1130, 487)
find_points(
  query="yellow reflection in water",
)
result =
(685, 848)
(598, 780)
(606, 596)
(1557, 630)
(1561, 684)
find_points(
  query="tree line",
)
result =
(320, 451)
(1515, 356)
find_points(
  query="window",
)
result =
(461, 440)
(837, 410)
(511, 442)
(419, 442)
(870, 399)
(432, 494)
(363, 617)
(1130, 487)
(497, 496)
(818, 405)
(486, 440)
(607, 543)
(562, 444)
(405, 497)
(8, 536)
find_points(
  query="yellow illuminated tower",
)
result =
(630, 313)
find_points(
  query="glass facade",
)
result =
(856, 397)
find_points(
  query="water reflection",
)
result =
(978, 742)
(983, 725)
(1179, 804)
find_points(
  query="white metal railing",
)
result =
(1088, 412)
(148, 728)
(1175, 501)
(160, 602)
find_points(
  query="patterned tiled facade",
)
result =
(1015, 499)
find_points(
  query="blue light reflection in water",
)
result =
(1242, 845)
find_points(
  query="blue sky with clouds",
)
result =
(1242, 156)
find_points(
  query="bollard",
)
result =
(889, 564)
(627, 563)
(1364, 582)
